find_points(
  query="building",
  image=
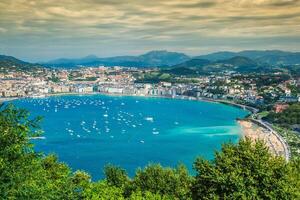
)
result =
(278, 108)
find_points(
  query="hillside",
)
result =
(273, 57)
(241, 64)
(194, 63)
(288, 118)
(237, 63)
(9, 63)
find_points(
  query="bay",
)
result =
(88, 132)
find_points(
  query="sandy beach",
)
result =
(256, 132)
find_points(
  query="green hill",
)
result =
(272, 57)
(238, 63)
(9, 63)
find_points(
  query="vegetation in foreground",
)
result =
(242, 171)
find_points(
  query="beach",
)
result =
(256, 132)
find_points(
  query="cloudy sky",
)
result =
(42, 30)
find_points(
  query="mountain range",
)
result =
(168, 59)
(244, 61)
(150, 59)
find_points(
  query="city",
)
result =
(150, 100)
(236, 87)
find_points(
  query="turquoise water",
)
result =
(87, 132)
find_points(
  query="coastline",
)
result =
(253, 129)
(257, 130)
(2, 100)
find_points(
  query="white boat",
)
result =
(150, 119)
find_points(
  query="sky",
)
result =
(42, 30)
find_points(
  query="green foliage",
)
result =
(164, 181)
(295, 90)
(181, 71)
(148, 196)
(292, 138)
(23, 173)
(54, 79)
(115, 176)
(153, 77)
(11, 64)
(287, 118)
(243, 171)
(102, 190)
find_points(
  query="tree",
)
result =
(138, 195)
(102, 191)
(115, 176)
(164, 181)
(244, 171)
(25, 174)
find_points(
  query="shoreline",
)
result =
(258, 130)
(253, 129)
(204, 99)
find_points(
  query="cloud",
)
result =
(165, 23)
(200, 4)
(3, 30)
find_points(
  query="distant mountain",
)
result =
(244, 61)
(167, 59)
(150, 59)
(161, 58)
(11, 63)
(90, 61)
(288, 59)
(222, 55)
(237, 63)
(273, 57)
(195, 62)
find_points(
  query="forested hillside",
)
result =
(287, 118)
(10, 64)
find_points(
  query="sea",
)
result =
(90, 131)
